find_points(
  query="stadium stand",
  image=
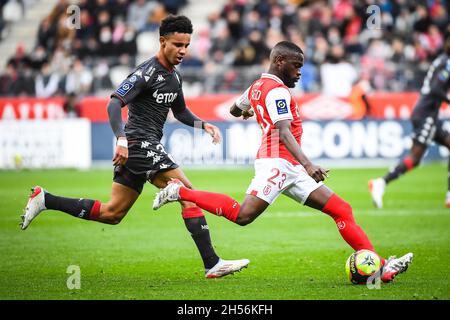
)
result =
(230, 45)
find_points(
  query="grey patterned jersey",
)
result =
(150, 91)
(434, 88)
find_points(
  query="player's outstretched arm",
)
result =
(185, 116)
(115, 120)
(316, 172)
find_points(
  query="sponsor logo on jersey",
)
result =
(160, 78)
(168, 97)
(282, 106)
(124, 88)
(138, 73)
(133, 78)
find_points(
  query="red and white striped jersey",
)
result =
(272, 101)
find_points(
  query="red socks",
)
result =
(408, 162)
(95, 210)
(192, 212)
(342, 214)
(216, 203)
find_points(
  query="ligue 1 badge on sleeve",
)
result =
(124, 88)
(281, 106)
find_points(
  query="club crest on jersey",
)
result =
(282, 106)
(124, 88)
(267, 190)
(443, 75)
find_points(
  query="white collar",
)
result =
(272, 76)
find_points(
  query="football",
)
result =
(361, 265)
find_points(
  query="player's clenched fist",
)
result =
(316, 172)
(121, 153)
(247, 114)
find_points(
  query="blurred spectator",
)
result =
(72, 106)
(155, 17)
(46, 34)
(358, 99)
(101, 79)
(64, 35)
(8, 81)
(20, 59)
(173, 6)
(138, 13)
(12, 11)
(228, 53)
(25, 82)
(221, 47)
(46, 83)
(337, 76)
(79, 79)
(37, 58)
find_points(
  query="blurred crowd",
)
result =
(387, 47)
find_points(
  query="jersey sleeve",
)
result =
(243, 102)
(278, 101)
(130, 88)
(440, 81)
(179, 104)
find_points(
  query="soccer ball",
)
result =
(361, 265)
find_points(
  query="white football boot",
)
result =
(226, 267)
(35, 205)
(168, 194)
(376, 188)
(394, 266)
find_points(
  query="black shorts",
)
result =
(429, 129)
(145, 160)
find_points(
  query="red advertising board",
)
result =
(216, 107)
(31, 108)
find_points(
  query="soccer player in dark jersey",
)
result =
(281, 167)
(427, 127)
(150, 91)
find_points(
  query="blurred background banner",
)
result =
(337, 143)
(42, 126)
(48, 144)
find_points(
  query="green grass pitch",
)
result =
(295, 252)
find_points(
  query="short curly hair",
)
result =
(172, 24)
